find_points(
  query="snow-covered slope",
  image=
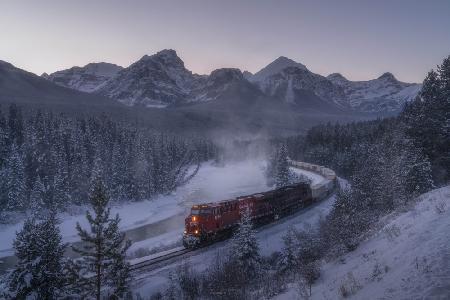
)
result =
(85, 79)
(407, 258)
(385, 93)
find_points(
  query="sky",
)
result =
(359, 39)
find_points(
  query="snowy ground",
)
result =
(212, 183)
(269, 237)
(407, 258)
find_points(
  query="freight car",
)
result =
(210, 222)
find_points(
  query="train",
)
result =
(210, 222)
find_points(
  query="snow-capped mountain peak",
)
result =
(162, 79)
(225, 75)
(337, 78)
(383, 94)
(154, 81)
(387, 77)
(275, 67)
(85, 79)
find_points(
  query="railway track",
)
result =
(177, 252)
(166, 256)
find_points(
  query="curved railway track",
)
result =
(177, 253)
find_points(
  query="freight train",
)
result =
(210, 222)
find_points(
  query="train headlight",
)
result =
(196, 232)
(194, 218)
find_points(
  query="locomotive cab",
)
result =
(194, 231)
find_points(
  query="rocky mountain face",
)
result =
(153, 81)
(85, 79)
(161, 80)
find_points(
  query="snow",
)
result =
(212, 183)
(153, 256)
(407, 257)
(269, 239)
(315, 178)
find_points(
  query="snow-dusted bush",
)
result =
(349, 286)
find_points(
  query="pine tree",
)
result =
(419, 177)
(4, 149)
(244, 247)
(289, 254)
(15, 125)
(282, 167)
(103, 251)
(13, 181)
(348, 218)
(36, 197)
(39, 272)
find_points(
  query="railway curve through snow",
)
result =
(322, 183)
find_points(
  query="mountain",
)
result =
(223, 102)
(216, 84)
(162, 80)
(385, 93)
(158, 80)
(288, 81)
(85, 79)
(296, 85)
(23, 87)
(275, 67)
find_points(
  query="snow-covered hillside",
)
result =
(85, 79)
(408, 257)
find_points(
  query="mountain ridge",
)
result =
(162, 80)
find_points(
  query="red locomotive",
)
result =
(214, 221)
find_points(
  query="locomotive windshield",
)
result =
(200, 211)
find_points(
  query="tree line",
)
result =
(49, 160)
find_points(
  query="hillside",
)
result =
(407, 257)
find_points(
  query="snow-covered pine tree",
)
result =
(347, 220)
(13, 181)
(419, 177)
(36, 203)
(289, 260)
(61, 193)
(15, 125)
(282, 176)
(39, 272)
(244, 245)
(103, 251)
(3, 139)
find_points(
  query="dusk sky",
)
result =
(360, 39)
